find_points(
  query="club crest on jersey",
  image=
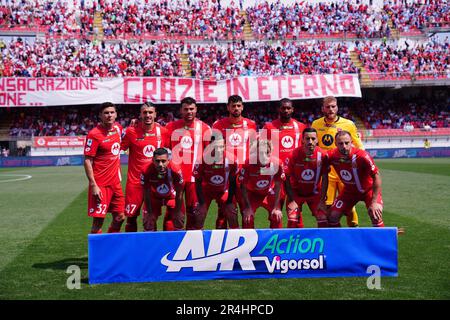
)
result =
(235, 139)
(287, 142)
(345, 175)
(308, 175)
(217, 179)
(327, 140)
(148, 150)
(262, 183)
(163, 189)
(115, 149)
(186, 142)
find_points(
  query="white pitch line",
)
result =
(23, 177)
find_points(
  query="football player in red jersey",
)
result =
(163, 186)
(238, 132)
(303, 180)
(188, 138)
(259, 185)
(285, 133)
(215, 179)
(102, 167)
(361, 178)
(141, 140)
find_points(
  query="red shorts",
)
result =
(220, 197)
(267, 201)
(346, 201)
(113, 201)
(159, 203)
(311, 201)
(134, 198)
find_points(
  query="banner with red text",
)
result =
(58, 142)
(134, 90)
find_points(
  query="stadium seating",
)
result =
(259, 58)
(278, 20)
(419, 61)
(412, 17)
(84, 58)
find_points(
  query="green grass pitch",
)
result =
(44, 230)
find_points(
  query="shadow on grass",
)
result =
(82, 263)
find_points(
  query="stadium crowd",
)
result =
(198, 19)
(280, 20)
(259, 58)
(430, 59)
(56, 17)
(379, 114)
(206, 19)
(84, 58)
(406, 115)
(412, 16)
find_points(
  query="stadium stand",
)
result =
(202, 19)
(412, 17)
(259, 58)
(302, 19)
(53, 17)
(385, 117)
(62, 58)
(420, 61)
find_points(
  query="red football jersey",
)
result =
(305, 172)
(356, 173)
(215, 177)
(187, 144)
(238, 137)
(261, 179)
(104, 147)
(141, 145)
(286, 137)
(162, 186)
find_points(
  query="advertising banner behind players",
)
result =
(241, 254)
(40, 92)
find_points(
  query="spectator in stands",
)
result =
(5, 152)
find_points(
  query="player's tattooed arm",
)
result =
(202, 210)
(199, 190)
(291, 204)
(147, 200)
(323, 192)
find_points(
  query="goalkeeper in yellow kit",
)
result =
(327, 127)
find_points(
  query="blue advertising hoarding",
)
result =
(241, 254)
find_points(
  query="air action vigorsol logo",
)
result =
(227, 247)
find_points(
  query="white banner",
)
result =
(28, 92)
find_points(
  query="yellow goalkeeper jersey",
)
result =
(327, 131)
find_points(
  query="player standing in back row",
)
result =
(102, 167)
(327, 127)
(141, 141)
(189, 136)
(237, 132)
(285, 133)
